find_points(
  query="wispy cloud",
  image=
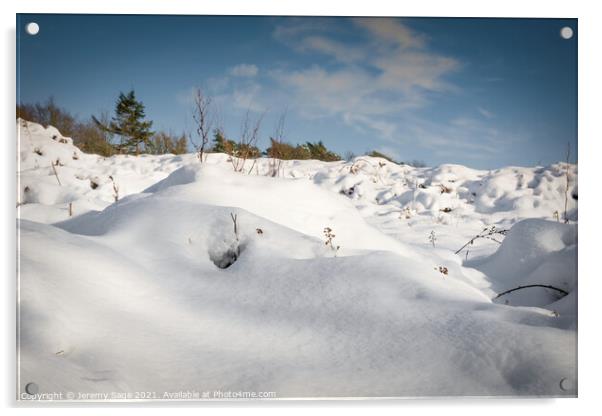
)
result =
(244, 70)
(338, 50)
(389, 71)
(392, 31)
(485, 113)
(381, 84)
(247, 98)
(463, 137)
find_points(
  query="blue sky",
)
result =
(480, 92)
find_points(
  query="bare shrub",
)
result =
(115, 189)
(48, 114)
(275, 152)
(246, 147)
(163, 143)
(90, 138)
(489, 233)
(329, 235)
(204, 120)
(443, 270)
(444, 189)
(432, 238)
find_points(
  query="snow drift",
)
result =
(129, 295)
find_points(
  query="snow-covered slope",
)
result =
(127, 295)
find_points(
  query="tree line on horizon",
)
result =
(128, 132)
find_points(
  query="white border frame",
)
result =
(590, 68)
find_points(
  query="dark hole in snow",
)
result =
(224, 254)
(93, 184)
(38, 152)
(349, 192)
(225, 258)
(574, 197)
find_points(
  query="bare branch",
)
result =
(564, 292)
(249, 135)
(276, 161)
(204, 120)
(55, 173)
(115, 189)
(487, 233)
(234, 219)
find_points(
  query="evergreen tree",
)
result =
(129, 124)
(376, 153)
(219, 142)
(223, 145)
(319, 152)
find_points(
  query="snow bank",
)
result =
(134, 294)
(534, 252)
(82, 180)
(142, 307)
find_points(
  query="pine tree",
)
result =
(219, 142)
(223, 145)
(129, 124)
(319, 152)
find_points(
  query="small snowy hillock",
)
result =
(534, 252)
(334, 279)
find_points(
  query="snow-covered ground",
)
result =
(120, 289)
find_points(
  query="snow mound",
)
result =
(142, 306)
(53, 173)
(534, 252)
(295, 203)
(503, 194)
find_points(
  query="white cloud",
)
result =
(185, 97)
(387, 73)
(338, 50)
(391, 30)
(319, 92)
(244, 70)
(460, 137)
(376, 85)
(485, 113)
(247, 98)
(406, 70)
(296, 27)
(385, 128)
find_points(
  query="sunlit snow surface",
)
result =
(126, 296)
